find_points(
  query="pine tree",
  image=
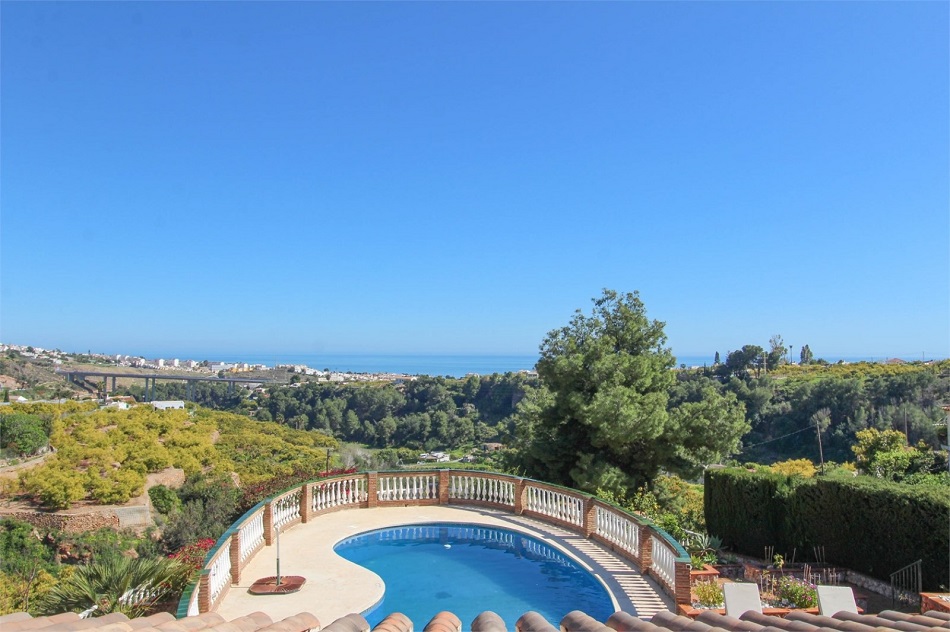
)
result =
(806, 356)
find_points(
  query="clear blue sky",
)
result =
(460, 177)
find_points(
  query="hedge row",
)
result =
(868, 525)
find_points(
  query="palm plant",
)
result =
(118, 584)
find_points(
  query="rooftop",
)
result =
(710, 621)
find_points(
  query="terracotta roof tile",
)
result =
(151, 620)
(875, 621)
(577, 621)
(297, 623)
(488, 621)
(249, 623)
(395, 622)
(349, 623)
(533, 622)
(713, 618)
(40, 622)
(582, 622)
(444, 622)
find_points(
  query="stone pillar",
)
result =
(305, 505)
(646, 549)
(682, 582)
(268, 523)
(590, 517)
(444, 482)
(520, 488)
(204, 592)
(372, 489)
(235, 555)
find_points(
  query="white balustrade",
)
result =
(286, 508)
(193, 609)
(251, 535)
(337, 493)
(664, 562)
(219, 571)
(413, 487)
(140, 595)
(613, 526)
(555, 504)
(619, 530)
(481, 488)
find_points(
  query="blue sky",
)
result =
(460, 177)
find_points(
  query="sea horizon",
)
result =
(455, 365)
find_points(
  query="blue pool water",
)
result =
(467, 569)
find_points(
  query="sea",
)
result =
(456, 366)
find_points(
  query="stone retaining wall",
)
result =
(70, 523)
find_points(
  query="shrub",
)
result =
(54, 488)
(105, 584)
(865, 524)
(795, 467)
(702, 548)
(22, 433)
(209, 506)
(164, 499)
(708, 593)
(792, 592)
(193, 555)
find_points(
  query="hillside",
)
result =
(105, 455)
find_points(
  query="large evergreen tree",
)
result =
(600, 419)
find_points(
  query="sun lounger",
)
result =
(835, 599)
(741, 598)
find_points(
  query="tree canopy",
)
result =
(602, 420)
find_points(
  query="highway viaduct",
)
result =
(78, 377)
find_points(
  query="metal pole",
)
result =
(277, 534)
(946, 412)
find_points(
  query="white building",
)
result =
(168, 405)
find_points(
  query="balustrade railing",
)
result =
(219, 571)
(618, 529)
(481, 489)
(338, 493)
(664, 561)
(286, 508)
(251, 535)
(396, 487)
(555, 504)
(192, 604)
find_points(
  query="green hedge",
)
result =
(865, 524)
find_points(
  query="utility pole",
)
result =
(946, 412)
(818, 418)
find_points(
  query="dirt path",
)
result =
(11, 471)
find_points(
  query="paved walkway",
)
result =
(336, 587)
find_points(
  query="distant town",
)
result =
(222, 369)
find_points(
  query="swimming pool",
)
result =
(468, 569)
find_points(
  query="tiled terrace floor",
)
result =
(336, 587)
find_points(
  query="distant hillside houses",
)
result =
(434, 457)
(168, 405)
